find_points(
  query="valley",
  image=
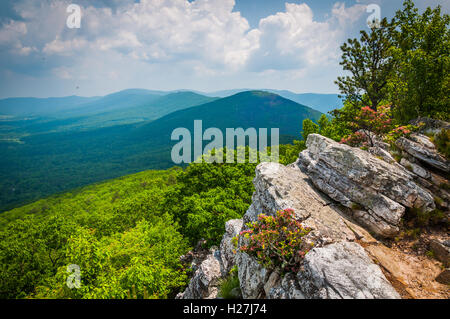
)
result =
(45, 154)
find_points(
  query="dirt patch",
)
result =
(412, 275)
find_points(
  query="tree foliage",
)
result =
(405, 64)
(420, 85)
(370, 64)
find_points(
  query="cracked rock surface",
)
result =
(377, 191)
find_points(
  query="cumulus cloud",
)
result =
(163, 31)
(347, 16)
(119, 39)
(294, 39)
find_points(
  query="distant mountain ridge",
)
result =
(126, 107)
(321, 102)
(37, 106)
(76, 105)
(47, 163)
(258, 109)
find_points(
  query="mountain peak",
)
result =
(257, 93)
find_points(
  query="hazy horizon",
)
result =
(201, 45)
(165, 91)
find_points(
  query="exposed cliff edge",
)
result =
(347, 196)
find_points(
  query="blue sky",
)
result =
(204, 45)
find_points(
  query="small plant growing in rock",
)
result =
(430, 254)
(422, 218)
(442, 142)
(229, 288)
(276, 241)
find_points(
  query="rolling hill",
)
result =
(40, 106)
(137, 109)
(75, 105)
(126, 107)
(49, 163)
(319, 102)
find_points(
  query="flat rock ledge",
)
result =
(343, 271)
(376, 191)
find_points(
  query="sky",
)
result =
(204, 45)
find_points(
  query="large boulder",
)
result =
(375, 190)
(278, 187)
(420, 147)
(343, 271)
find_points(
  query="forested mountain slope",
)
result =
(48, 163)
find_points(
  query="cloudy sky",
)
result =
(204, 45)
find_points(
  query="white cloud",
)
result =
(62, 73)
(11, 31)
(347, 16)
(163, 31)
(177, 40)
(176, 31)
(68, 47)
(294, 39)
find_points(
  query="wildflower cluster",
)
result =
(356, 139)
(276, 241)
(401, 131)
(367, 124)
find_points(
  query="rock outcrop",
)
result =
(430, 125)
(203, 284)
(278, 187)
(216, 265)
(429, 168)
(343, 194)
(343, 271)
(232, 229)
(375, 190)
(420, 148)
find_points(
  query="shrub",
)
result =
(367, 124)
(276, 241)
(401, 131)
(355, 139)
(230, 285)
(442, 142)
(422, 218)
